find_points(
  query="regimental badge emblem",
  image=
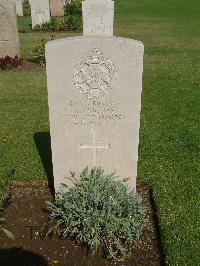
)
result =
(95, 75)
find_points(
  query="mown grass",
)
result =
(23, 112)
(169, 135)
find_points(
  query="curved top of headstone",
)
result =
(61, 41)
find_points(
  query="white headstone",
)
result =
(9, 38)
(98, 16)
(40, 12)
(19, 7)
(57, 8)
(94, 94)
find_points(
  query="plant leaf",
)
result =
(8, 233)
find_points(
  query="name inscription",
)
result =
(93, 112)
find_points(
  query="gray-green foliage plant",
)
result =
(4, 195)
(8, 233)
(99, 211)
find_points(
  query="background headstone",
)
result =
(40, 11)
(57, 8)
(9, 39)
(98, 16)
(94, 94)
(19, 7)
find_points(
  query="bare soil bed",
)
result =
(26, 66)
(27, 217)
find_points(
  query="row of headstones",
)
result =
(41, 9)
(9, 38)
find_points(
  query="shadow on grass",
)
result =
(156, 221)
(43, 144)
(20, 257)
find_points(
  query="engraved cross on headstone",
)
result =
(94, 147)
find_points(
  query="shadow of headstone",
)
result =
(43, 144)
(20, 257)
(157, 228)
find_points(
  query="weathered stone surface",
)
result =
(9, 39)
(19, 7)
(40, 12)
(57, 8)
(98, 17)
(94, 95)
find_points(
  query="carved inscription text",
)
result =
(94, 112)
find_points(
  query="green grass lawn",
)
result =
(169, 136)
